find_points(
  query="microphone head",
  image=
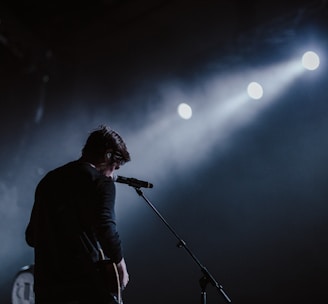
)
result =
(133, 182)
(150, 185)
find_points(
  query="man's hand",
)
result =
(123, 273)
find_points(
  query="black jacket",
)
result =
(72, 202)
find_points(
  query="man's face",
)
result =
(114, 161)
(110, 168)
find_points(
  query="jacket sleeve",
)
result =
(105, 220)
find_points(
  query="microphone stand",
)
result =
(206, 277)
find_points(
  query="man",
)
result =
(73, 221)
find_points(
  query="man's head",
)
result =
(104, 146)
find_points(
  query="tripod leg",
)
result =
(203, 283)
(203, 297)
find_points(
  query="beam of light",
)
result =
(221, 106)
(310, 61)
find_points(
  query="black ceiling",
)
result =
(68, 30)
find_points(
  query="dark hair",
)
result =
(103, 140)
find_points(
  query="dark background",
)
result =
(251, 204)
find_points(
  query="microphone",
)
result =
(133, 182)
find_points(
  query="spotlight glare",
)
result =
(310, 61)
(184, 111)
(255, 90)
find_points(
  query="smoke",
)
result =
(13, 251)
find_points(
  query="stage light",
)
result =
(310, 61)
(184, 111)
(255, 90)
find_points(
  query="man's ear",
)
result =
(108, 156)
